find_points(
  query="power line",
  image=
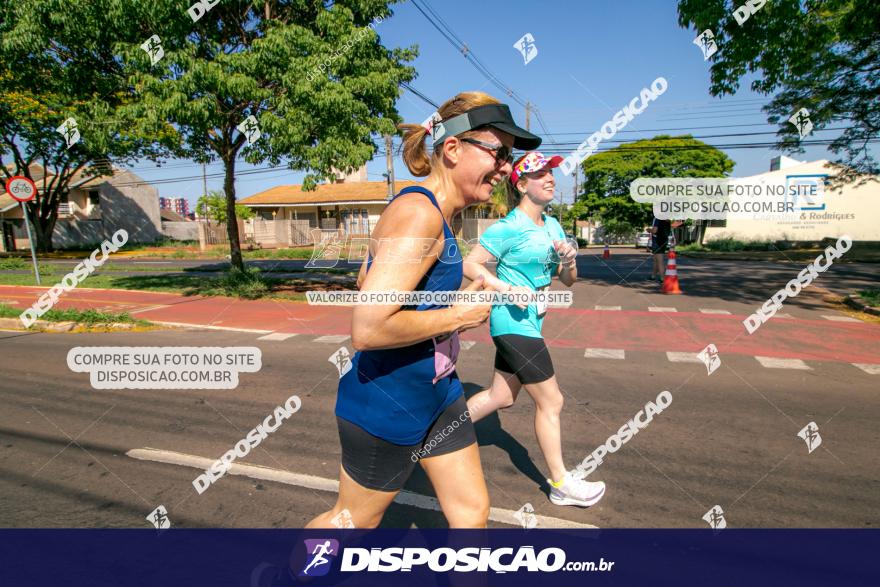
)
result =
(419, 94)
(444, 29)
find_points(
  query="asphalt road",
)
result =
(729, 439)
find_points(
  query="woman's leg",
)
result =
(458, 480)
(366, 506)
(548, 427)
(501, 394)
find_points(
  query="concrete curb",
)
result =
(46, 326)
(857, 302)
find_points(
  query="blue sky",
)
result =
(594, 56)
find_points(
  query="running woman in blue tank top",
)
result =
(402, 402)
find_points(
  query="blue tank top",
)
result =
(396, 394)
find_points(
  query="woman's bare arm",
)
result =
(399, 263)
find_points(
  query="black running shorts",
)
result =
(383, 466)
(524, 356)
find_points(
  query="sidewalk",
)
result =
(627, 329)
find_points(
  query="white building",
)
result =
(852, 209)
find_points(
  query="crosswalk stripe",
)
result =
(777, 363)
(682, 357)
(610, 308)
(661, 309)
(869, 368)
(605, 354)
(278, 336)
(334, 338)
(467, 344)
(713, 311)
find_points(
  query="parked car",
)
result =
(643, 240)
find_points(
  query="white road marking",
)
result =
(467, 344)
(611, 308)
(869, 368)
(778, 315)
(841, 318)
(323, 484)
(605, 354)
(776, 363)
(205, 326)
(682, 357)
(712, 311)
(147, 309)
(661, 309)
(334, 338)
(278, 336)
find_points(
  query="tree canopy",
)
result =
(822, 55)
(57, 63)
(213, 205)
(607, 175)
(313, 82)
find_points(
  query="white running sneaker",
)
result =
(574, 491)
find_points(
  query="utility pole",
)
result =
(204, 187)
(528, 112)
(574, 200)
(389, 162)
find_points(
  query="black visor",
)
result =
(493, 115)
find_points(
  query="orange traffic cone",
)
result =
(606, 254)
(670, 280)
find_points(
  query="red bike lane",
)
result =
(631, 330)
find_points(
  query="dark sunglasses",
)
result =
(503, 154)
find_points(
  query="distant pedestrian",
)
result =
(660, 231)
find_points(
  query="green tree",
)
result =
(56, 62)
(822, 55)
(607, 175)
(313, 75)
(213, 206)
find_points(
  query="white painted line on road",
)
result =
(147, 309)
(711, 311)
(610, 308)
(467, 344)
(278, 336)
(841, 318)
(661, 309)
(205, 326)
(604, 354)
(869, 368)
(151, 262)
(682, 357)
(776, 363)
(778, 315)
(323, 484)
(334, 338)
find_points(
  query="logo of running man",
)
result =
(318, 563)
(526, 516)
(801, 120)
(70, 131)
(526, 46)
(153, 47)
(342, 360)
(710, 358)
(715, 518)
(159, 518)
(250, 129)
(706, 42)
(343, 520)
(810, 434)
